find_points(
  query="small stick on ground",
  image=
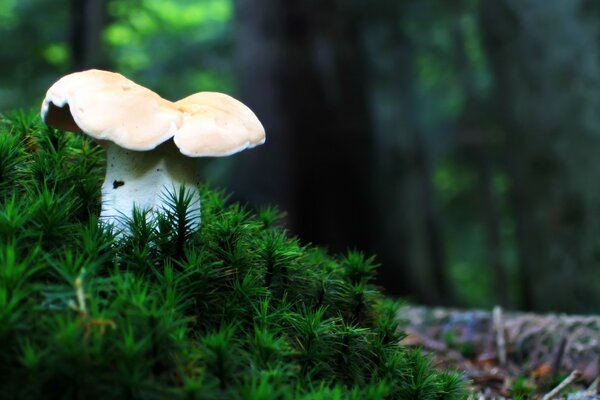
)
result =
(558, 357)
(499, 328)
(561, 386)
(593, 388)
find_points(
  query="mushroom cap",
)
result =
(215, 124)
(107, 106)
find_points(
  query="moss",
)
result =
(239, 309)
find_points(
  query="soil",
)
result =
(511, 354)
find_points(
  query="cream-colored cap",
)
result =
(215, 124)
(107, 106)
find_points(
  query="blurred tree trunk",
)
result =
(411, 228)
(477, 142)
(300, 70)
(440, 291)
(547, 106)
(87, 24)
(499, 25)
(491, 219)
(441, 284)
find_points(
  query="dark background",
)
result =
(459, 141)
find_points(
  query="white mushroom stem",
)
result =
(130, 119)
(143, 179)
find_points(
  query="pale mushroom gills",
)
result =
(151, 143)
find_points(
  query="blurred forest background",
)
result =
(459, 141)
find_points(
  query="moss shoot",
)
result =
(237, 310)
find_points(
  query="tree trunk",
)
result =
(478, 145)
(546, 105)
(491, 220)
(411, 236)
(299, 65)
(496, 25)
(87, 23)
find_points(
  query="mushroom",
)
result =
(135, 126)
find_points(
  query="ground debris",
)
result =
(511, 355)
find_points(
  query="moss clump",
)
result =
(237, 310)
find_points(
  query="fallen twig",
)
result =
(593, 388)
(573, 376)
(500, 341)
(558, 357)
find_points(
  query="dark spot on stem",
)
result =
(117, 184)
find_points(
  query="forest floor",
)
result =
(511, 355)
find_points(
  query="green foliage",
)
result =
(522, 388)
(148, 40)
(176, 47)
(237, 309)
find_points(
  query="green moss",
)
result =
(239, 309)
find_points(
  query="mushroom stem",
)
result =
(142, 179)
